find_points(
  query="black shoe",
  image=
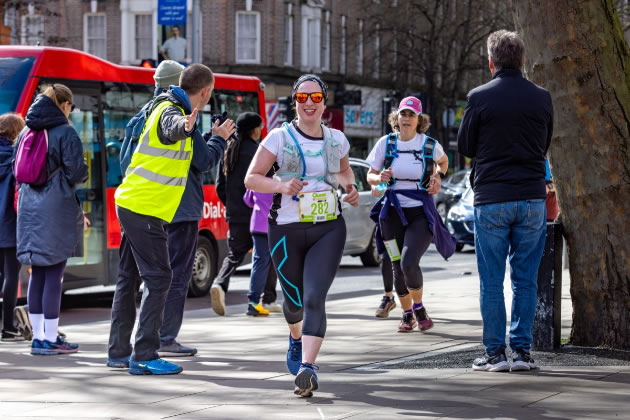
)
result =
(386, 306)
(12, 336)
(491, 363)
(522, 360)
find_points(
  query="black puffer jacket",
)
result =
(50, 218)
(231, 188)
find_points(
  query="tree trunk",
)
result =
(577, 51)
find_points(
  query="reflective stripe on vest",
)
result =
(156, 177)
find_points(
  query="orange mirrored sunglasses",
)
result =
(316, 97)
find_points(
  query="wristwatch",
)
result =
(442, 175)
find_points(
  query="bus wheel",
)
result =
(204, 267)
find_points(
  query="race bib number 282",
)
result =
(317, 206)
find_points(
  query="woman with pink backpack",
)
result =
(49, 217)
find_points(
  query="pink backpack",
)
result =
(30, 160)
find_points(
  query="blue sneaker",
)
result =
(48, 348)
(120, 363)
(294, 355)
(306, 380)
(153, 367)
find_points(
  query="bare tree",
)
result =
(436, 47)
(577, 51)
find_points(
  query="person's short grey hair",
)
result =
(506, 49)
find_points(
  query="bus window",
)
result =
(86, 121)
(234, 102)
(121, 102)
(14, 72)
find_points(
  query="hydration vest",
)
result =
(425, 154)
(294, 163)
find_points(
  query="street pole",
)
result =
(196, 32)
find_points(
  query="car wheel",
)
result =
(371, 257)
(459, 246)
(204, 268)
(441, 209)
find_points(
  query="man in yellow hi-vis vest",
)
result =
(147, 198)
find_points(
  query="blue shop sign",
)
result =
(171, 12)
(356, 116)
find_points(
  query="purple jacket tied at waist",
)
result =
(261, 203)
(442, 239)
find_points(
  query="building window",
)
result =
(311, 45)
(288, 40)
(377, 52)
(95, 34)
(360, 48)
(32, 30)
(342, 47)
(248, 37)
(326, 44)
(144, 36)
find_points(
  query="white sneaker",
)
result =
(272, 307)
(217, 299)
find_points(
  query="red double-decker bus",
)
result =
(106, 96)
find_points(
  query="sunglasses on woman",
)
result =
(316, 97)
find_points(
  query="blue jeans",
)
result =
(261, 264)
(182, 245)
(514, 229)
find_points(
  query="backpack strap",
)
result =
(428, 150)
(391, 153)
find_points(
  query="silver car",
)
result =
(360, 237)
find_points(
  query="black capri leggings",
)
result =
(306, 257)
(413, 240)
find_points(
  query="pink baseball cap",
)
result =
(411, 103)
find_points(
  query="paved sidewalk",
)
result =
(240, 372)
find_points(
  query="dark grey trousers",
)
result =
(143, 257)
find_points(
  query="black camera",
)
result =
(221, 118)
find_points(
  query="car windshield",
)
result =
(14, 72)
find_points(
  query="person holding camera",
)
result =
(231, 188)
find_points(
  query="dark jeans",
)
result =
(262, 269)
(10, 283)
(239, 243)
(44, 290)
(143, 257)
(182, 245)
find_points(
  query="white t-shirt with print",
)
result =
(405, 166)
(315, 167)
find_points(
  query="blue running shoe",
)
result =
(153, 367)
(294, 355)
(306, 380)
(120, 363)
(48, 348)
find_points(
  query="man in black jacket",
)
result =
(231, 189)
(507, 128)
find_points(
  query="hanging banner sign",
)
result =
(171, 12)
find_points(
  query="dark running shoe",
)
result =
(491, 363)
(11, 336)
(306, 380)
(386, 306)
(424, 322)
(20, 314)
(119, 363)
(407, 323)
(49, 348)
(294, 355)
(522, 360)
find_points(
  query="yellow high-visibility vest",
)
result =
(156, 178)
